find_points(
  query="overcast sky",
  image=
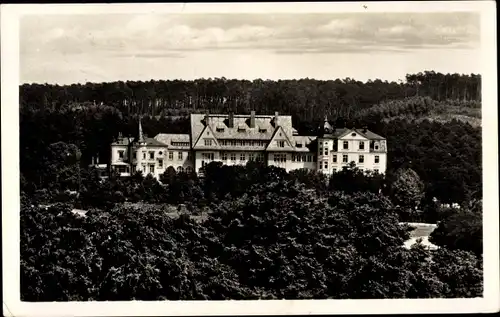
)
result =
(79, 48)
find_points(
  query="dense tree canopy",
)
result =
(278, 240)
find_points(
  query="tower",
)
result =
(325, 147)
(140, 150)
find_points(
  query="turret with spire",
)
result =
(326, 128)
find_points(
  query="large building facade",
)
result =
(236, 139)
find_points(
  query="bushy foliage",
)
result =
(278, 240)
(461, 230)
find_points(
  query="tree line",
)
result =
(307, 99)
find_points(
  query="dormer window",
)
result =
(262, 130)
(220, 130)
(298, 144)
(241, 129)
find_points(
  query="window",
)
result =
(260, 157)
(220, 130)
(160, 163)
(160, 153)
(320, 165)
(361, 145)
(298, 144)
(334, 170)
(346, 145)
(344, 158)
(281, 143)
(179, 156)
(309, 158)
(293, 157)
(233, 156)
(151, 169)
(262, 130)
(303, 158)
(134, 168)
(325, 143)
(190, 156)
(326, 151)
(170, 156)
(376, 170)
(326, 165)
(280, 157)
(208, 142)
(242, 157)
(223, 156)
(143, 155)
(334, 158)
(376, 146)
(134, 155)
(241, 129)
(152, 155)
(180, 169)
(120, 154)
(377, 159)
(353, 134)
(361, 159)
(251, 157)
(207, 156)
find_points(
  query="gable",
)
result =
(353, 135)
(279, 138)
(206, 140)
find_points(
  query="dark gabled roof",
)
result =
(153, 141)
(369, 135)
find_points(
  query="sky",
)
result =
(67, 49)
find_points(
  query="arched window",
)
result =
(180, 169)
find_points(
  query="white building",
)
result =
(237, 139)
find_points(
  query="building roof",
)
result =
(171, 140)
(338, 133)
(306, 141)
(265, 126)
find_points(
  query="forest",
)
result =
(299, 234)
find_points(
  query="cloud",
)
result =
(92, 43)
(241, 31)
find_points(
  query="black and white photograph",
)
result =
(238, 156)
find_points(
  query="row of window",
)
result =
(242, 143)
(361, 159)
(151, 168)
(180, 155)
(324, 165)
(179, 143)
(345, 146)
(259, 157)
(303, 158)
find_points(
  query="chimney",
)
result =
(231, 120)
(93, 161)
(365, 128)
(252, 119)
(275, 119)
(97, 160)
(120, 136)
(207, 115)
